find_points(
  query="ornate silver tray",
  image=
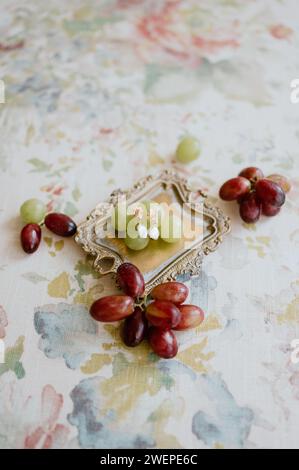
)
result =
(159, 261)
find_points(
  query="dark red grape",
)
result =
(112, 308)
(252, 173)
(191, 316)
(163, 342)
(234, 188)
(31, 237)
(250, 208)
(135, 328)
(241, 198)
(60, 224)
(282, 181)
(269, 192)
(163, 314)
(269, 210)
(174, 292)
(130, 279)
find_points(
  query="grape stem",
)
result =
(142, 302)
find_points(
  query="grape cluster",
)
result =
(255, 193)
(143, 221)
(33, 213)
(154, 317)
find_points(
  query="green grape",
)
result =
(137, 243)
(154, 213)
(33, 211)
(147, 206)
(136, 218)
(171, 233)
(188, 150)
(138, 212)
(120, 219)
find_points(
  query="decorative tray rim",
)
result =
(188, 262)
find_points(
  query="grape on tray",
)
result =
(143, 221)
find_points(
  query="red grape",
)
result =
(174, 292)
(135, 328)
(234, 188)
(252, 173)
(163, 342)
(242, 198)
(250, 208)
(60, 224)
(269, 210)
(282, 181)
(163, 314)
(31, 237)
(191, 316)
(130, 279)
(269, 192)
(112, 308)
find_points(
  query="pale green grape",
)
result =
(136, 218)
(33, 211)
(171, 231)
(137, 243)
(188, 150)
(138, 211)
(147, 203)
(120, 219)
(154, 213)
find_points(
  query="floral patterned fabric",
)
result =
(97, 95)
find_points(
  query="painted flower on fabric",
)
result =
(228, 425)
(280, 31)
(160, 35)
(95, 428)
(134, 392)
(13, 362)
(66, 331)
(148, 396)
(48, 434)
(27, 423)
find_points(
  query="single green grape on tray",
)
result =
(172, 231)
(119, 218)
(137, 243)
